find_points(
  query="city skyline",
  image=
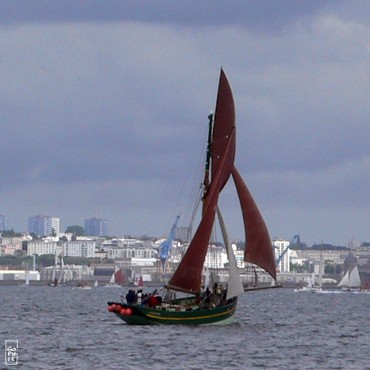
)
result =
(103, 224)
(105, 112)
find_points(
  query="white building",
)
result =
(41, 247)
(78, 248)
(131, 248)
(132, 252)
(55, 225)
(280, 248)
(239, 256)
(216, 257)
(19, 275)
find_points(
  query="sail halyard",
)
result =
(188, 275)
(258, 247)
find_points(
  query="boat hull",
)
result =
(143, 315)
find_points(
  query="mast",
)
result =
(188, 275)
(206, 180)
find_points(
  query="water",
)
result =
(65, 328)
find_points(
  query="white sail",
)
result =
(321, 270)
(351, 279)
(311, 281)
(96, 283)
(234, 286)
(54, 274)
(112, 279)
(207, 279)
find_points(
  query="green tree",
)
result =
(10, 233)
(76, 230)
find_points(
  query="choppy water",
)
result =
(65, 328)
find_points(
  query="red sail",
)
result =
(224, 126)
(258, 247)
(188, 275)
(119, 277)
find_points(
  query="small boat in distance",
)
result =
(351, 280)
(309, 287)
(116, 279)
(219, 304)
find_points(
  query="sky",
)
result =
(104, 109)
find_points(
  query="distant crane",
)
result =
(294, 241)
(167, 244)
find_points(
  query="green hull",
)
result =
(142, 315)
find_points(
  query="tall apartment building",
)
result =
(43, 225)
(280, 247)
(96, 227)
(4, 223)
(55, 225)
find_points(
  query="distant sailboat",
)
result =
(309, 287)
(116, 279)
(27, 280)
(61, 272)
(318, 288)
(351, 280)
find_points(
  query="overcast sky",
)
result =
(104, 109)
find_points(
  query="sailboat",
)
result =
(65, 274)
(219, 306)
(27, 280)
(309, 287)
(351, 280)
(116, 279)
(318, 288)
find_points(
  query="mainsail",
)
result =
(188, 275)
(223, 129)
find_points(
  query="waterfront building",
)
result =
(239, 256)
(280, 248)
(216, 257)
(3, 223)
(11, 275)
(96, 227)
(78, 248)
(40, 247)
(9, 246)
(128, 248)
(67, 273)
